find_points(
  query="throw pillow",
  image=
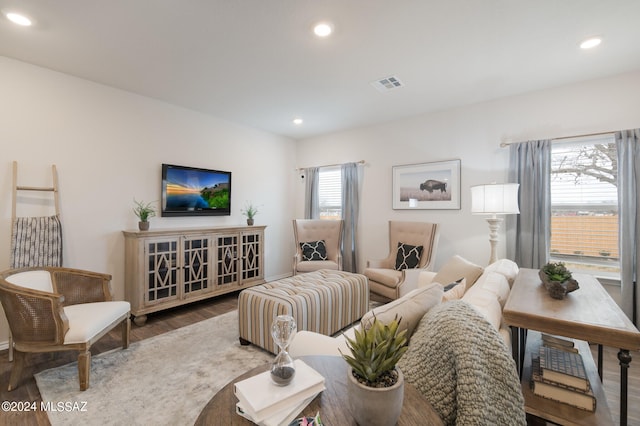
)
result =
(456, 290)
(314, 250)
(411, 308)
(453, 284)
(456, 268)
(408, 256)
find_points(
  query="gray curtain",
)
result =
(311, 196)
(628, 149)
(530, 166)
(350, 211)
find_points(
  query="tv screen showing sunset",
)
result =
(193, 190)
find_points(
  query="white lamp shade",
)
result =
(497, 198)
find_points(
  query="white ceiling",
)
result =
(257, 63)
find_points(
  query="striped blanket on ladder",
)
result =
(36, 241)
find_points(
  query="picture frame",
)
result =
(427, 186)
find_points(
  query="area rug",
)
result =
(164, 380)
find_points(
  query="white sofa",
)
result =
(486, 289)
(459, 362)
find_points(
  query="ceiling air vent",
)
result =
(387, 84)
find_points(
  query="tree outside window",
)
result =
(584, 205)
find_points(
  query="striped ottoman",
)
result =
(324, 301)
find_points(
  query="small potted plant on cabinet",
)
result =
(375, 385)
(249, 211)
(143, 211)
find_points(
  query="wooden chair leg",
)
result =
(10, 346)
(126, 331)
(16, 370)
(84, 368)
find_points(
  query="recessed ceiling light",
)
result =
(297, 121)
(19, 19)
(590, 43)
(323, 29)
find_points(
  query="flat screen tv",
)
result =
(189, 191)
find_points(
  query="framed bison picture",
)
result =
(427, 186)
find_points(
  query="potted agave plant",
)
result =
(144, 211)
(375, 385)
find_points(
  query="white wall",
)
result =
(472, 134)
(108, 146)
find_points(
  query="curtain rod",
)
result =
(505, 144)
(330, 165)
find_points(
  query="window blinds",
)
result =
(330, 192)
(584, 203)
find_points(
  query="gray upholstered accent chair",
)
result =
(318, 245)
(391, 282)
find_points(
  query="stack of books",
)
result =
(558, 373)
(267, 404)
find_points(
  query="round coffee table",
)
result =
(331, 403)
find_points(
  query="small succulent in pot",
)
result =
(375, 386)
(557, 279)
(376, 351)
(144, 211)
(249, 211)
(556, 271)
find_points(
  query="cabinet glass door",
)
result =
(196, 264)
(251, 257)
(227, 259)
(162, 270)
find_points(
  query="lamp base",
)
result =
(494, 225)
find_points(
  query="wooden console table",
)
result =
(588, 314)
(331, 403)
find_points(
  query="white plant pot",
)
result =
(375, 406)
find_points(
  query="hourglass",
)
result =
(283, 329)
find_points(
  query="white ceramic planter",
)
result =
(375, 406)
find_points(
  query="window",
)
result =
(330, 193)
(584, 205)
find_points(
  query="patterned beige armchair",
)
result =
(59, 309)
(412, 249)
(317, 245)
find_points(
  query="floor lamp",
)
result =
(496, 199)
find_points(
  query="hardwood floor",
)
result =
(162, 322)
(611, 380)
(157, 323)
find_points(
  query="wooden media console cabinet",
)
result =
(165, 268)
